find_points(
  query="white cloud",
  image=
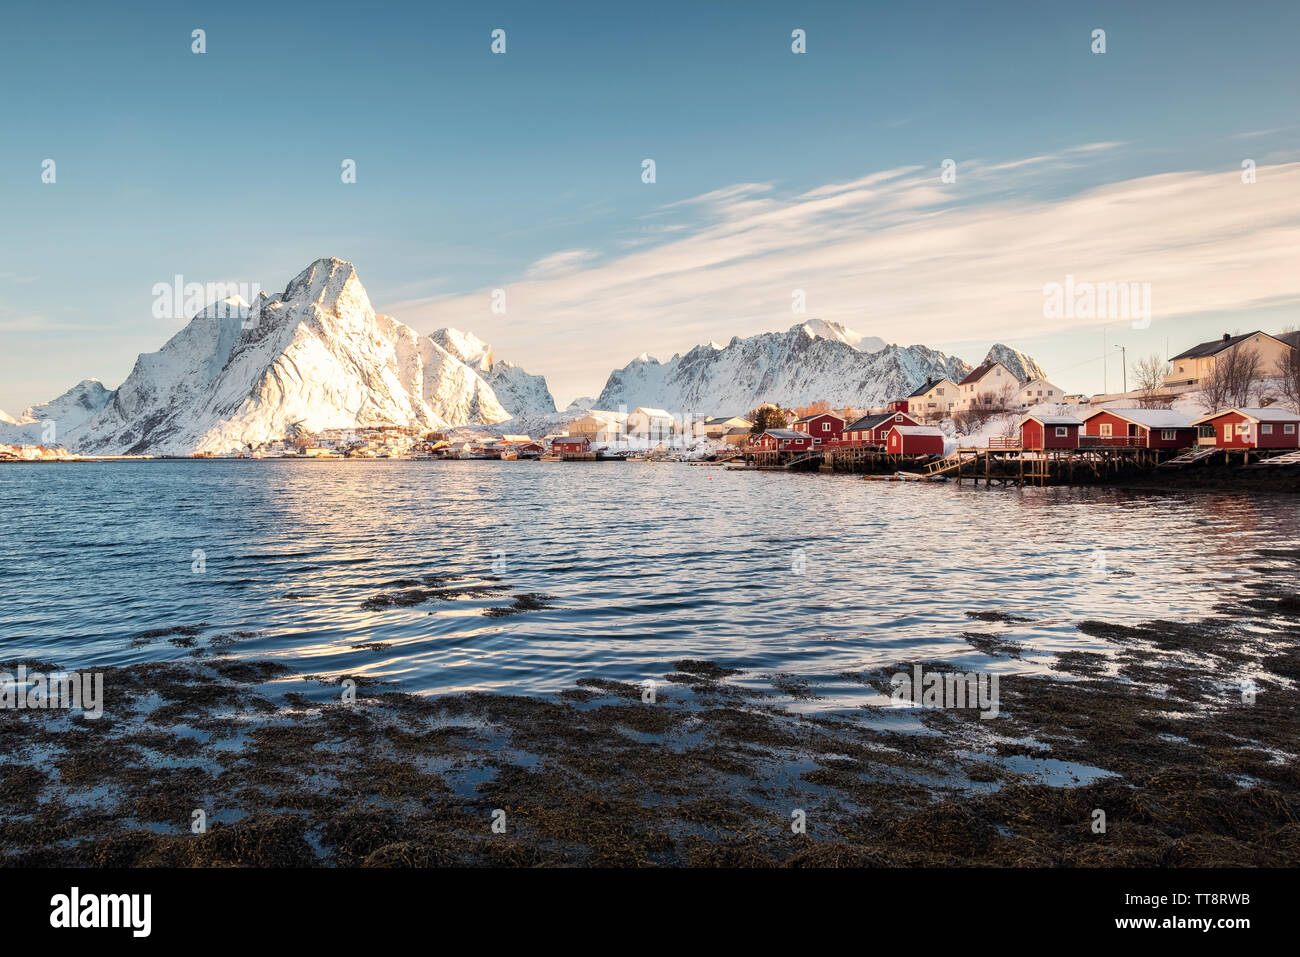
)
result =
(897, 254)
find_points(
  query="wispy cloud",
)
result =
(899, 254)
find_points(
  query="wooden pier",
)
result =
(1007, 464)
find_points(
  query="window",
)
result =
(1288, 429)
(1062, 432)
(1051, 392)
(1227, 433)
(1266, 429)
(1105, 430)
(997, 372)
(898, 418)
(1168, 434)
(938, 391)
(826, 426)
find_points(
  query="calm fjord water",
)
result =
(646, 565)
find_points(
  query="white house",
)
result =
(1038, 391)
(934, 399)
(989, 384)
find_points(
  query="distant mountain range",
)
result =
(318, 356)
(810, 361)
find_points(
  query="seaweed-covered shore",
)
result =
(1158, 735)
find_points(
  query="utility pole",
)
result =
(1105, 364)
(1123, 358)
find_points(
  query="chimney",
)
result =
(1226, 337)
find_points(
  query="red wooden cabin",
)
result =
(1040, 432)
(825, 428)
(1142, 428)
(1269, 428)
(782, 440)
(872, 429)
(914, 440)
(570, 445)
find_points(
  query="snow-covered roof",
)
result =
(1272, 414)
(786, 434)
(1148, 418)
(818, 415)
(1045, 419)
(917, 430)
(652, 413)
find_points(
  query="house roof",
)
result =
(979, 372)
(1050, 419)
(1271, 414)
(653, 413)
(724, 419)
(737, 431)
(1148, 418)
(786, 434)
(1215, 346)
(917, 430)
(871, 421)
(818, 415)
(926, 386)
(569, 439)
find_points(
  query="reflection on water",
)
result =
(644, 565)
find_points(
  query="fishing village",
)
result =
(1228, 402)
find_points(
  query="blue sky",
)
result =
(472, 168)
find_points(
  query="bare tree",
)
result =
(1288, 373)
(1236, 375)
(1245, 374)
(1214, 389)
(1149, 376)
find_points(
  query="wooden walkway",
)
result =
(1007, 463)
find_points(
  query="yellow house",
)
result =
(1197, 363)
(716, 428)
(935, 399)
(600, 426)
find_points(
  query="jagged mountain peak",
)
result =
(794, 367)
(828, 329)
(1017, 363)
(329, 283)
(466, 346)
(317, 356)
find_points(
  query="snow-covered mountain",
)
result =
(1017, 363)
(795, 367)
(67, 412)
(833, 330)
(316, 356)
(522, 394)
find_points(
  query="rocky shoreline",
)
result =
(1158, 735)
